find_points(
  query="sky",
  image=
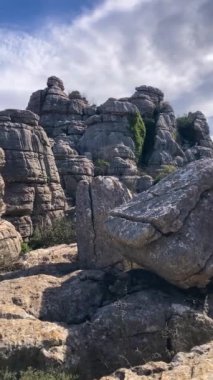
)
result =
(105, 48)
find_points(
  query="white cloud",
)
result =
(112, 49)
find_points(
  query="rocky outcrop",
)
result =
(10, 240)
(33, 193)
(161, 146)
(109, 138)
(195, 136)
(94, 200)
(167, 229)
(72, 167)
(56, 109)
(93, 322)
(197, 365)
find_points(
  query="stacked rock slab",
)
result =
(109, 139)
(93, 202)
(10, 240)
(62, 117)
(161, 146)
(71, 166)
(33, 192)
(167, 229)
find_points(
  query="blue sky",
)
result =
(28, 14)
(105, 48)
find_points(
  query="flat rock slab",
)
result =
(168, 228)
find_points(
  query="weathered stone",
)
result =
(33, 192)
(93, 202)
(167, 229)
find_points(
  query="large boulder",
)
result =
(167, 229)
(33, 193)
(94, 200)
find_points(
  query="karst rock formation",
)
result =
(134, 295)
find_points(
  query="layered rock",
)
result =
(161, 146)
(167, 229)
(33, 192)
(10, 240)
(93, 202)
(72, 167)
(56, 109)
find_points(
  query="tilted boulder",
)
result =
(167, 229)
(33, 192)
(93, 202)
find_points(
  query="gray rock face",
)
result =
(10, 240)
(93, 202)
(195, 137)
(33, 192)
(72, 167)
(161, 146)
(56, 109)
(167, 229)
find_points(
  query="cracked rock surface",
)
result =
(168, 228)
(93, 322)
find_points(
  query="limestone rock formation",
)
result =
(167, 229)
(196, 365)
(33, 192)
(93, 322)
(72, 167)
(93, 202)
(195, 136)
(161, 146)
(109, 139)
(10, 240)
(56, 109)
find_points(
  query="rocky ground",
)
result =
(135, 291)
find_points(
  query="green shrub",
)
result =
(166, 170)
(183, 122)
(61, 231)
(24, 248)
(101, 167)
(138, 130)
(32, 374)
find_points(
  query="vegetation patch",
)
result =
(32, 374)
(62, 231)
(101, 166)
(166, 170)
(138, 130)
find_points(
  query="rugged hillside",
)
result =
(137, 288)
